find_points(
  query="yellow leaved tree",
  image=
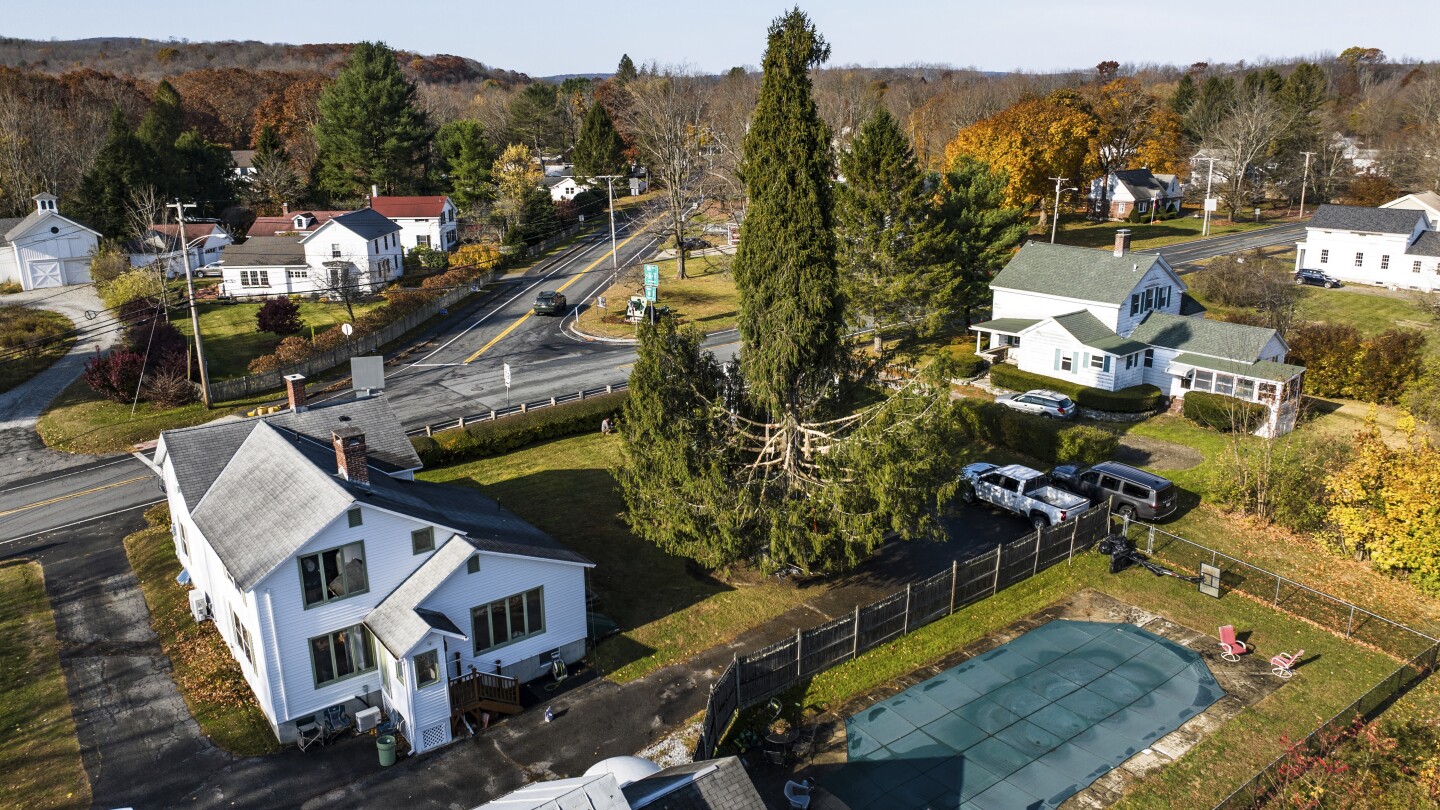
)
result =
(1032, 141)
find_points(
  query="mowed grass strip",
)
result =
(668, 608)
(1075, 230)
(706, 298)
(41, 766)
(81, 421)
(207, 674)
(31, 340)
(232, 338)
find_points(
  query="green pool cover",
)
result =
(1026, 725)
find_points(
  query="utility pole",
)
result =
(1055, 222)
(194, 316)
(1209, 180)
(1303, 179)
(610, 184)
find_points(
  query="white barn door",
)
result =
(47, 273)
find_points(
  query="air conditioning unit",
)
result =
(199, 606)
(367, 719)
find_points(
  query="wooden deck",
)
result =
(474, 692)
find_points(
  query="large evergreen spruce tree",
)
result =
(978, 236)
(599, 150)
(466, 153)
(370, 131)
(122, 164)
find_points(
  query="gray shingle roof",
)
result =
(1080, 273)
(264, 251)
(714, 784)
(1232, 341)
(1260, 369)
(1144, 184)
(266, 503)
(367, 223)
(1006, 326)
(1088, 329)
(398, 621)
(1360, 218)
(8, 224)
(1428, 244)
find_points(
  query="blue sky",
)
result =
(549, 38)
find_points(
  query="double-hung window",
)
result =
(508, 620)
(1098, 361)
(297, 273)
(1415, 268)
(427, 669)
(254, 278)
(333, 574)
(1359, 259)
(1385, 261)
(1066, 362)
(341, 654)
(334, 250)
(1149, 358)
(1325, 256)
(1132, 360)
(242, 637)
(422, 241)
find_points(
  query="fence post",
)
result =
(954, 580)
(552, 400)
(582, 393)
(609, 389)
(428, 431)
(1277, 589)
(855, 645)
(522, 407)
(799, 659)
(999, 552)
(462, 423)
(1351, 622)
(1075, 530)
(905, 629)
(1150, 544)
(492, 414)
(1035, 567)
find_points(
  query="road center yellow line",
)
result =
(60, 498)
(511, 328)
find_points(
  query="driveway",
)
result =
(21, 406)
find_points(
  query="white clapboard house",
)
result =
(424, 221)
(45, 249)
(359, 251)
(1382, 247)
(337, 580)
(1113, 320)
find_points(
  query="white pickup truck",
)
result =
(1021, 490)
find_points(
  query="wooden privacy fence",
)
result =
(252, 384)
(757, 677)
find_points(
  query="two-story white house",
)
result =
(1113, 320)
(424, 221)
(358, 251)
(1135, 191)
(45, 249)
(1384, 247)
(563, 188)
(337, 580)
(1427, 201)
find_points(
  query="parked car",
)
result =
(692, 243)
(550, 302)
(1019, 489)
(1316, 278)
(1040, 401)
(1131, 492)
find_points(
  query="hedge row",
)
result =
(1035, 436)
(493, 438)
(1219, 412)
(1135, 399)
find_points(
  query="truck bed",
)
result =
(1059, 498)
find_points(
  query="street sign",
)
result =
(347, 329)
(650, 291)
(600, 302)
(507, 374)
(1212, 204)
(652, 276)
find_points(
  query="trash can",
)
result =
(385, 743)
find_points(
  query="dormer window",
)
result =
(302, 221)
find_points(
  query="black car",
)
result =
(692, 243)
(550, 302)
(1316, 278)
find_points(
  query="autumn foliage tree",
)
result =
(1031, 142)
(279, 316)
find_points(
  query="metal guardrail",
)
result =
(512, 410)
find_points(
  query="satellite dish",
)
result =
(348, 329)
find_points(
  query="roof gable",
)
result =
(1078, 273)
(35, 219)
(1089, 331)
(366, 223)
(1232, 341)
(399, 621)
(1360, 218)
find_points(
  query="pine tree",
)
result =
(273, 181)
(1216, 99)
(791, 312)
(538, 221)
(205, 174)
(123, 163)
(599, 150)
(535, 116)
(978, 236)
(466, 154)
(882, 225)
(1184, 96)
(370, 130)
(625, 71)
(161, 127)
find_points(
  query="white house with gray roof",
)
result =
(1383, 247)
(360, 250)
(337, 580)
(45, 249)
(1120, 319)
(1135, 191)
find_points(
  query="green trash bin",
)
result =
(385, 743)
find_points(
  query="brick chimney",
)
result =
(1122, 241)
(295, 391)
(285, 208)
(350, 455)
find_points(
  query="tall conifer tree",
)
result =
(370, 130)
(599, 149)
(122, 164)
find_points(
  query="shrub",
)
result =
(485, 439)
(1219, 412)
(141, 282)
(279, 316)
(422, 259)
(1085, 444)
(168, 390)
(116, 375)
(163, 347)
(28, 332)
(1135, 399)
(1340, 362)
(1280, 481)
(10, 288)
(963, 362)
(1042, 439)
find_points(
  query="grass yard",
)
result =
(22, 331)
(231, 339)
(1075, 230)
(207, 674)
(668, 609)
(706, 298)
(42, 766)
(80, 421)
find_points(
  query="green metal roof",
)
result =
(1232, 341)
(1086, 328)
(1006, 326)
(1260, 369)
(1084, 274)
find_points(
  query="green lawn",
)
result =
(30, 341)
(80, 421)
(209, 678)
(667, 608)
(1074, 230)
(42, 766)
(706, 297)
(232, 339)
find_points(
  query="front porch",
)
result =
(474, 695)
(995, 340)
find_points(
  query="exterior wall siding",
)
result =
(1340, 261)
(1014, 304)
(1038, 349)
(1156, 276)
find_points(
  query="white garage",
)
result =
(45, 249)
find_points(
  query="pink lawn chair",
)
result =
(1283, 664)
(1231, 648)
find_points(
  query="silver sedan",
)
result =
(1042, 402)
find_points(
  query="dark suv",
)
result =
(1316, 278)
(550, 303)
(1131, 492)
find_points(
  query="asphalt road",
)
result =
(32, 508)
(1200, 249)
